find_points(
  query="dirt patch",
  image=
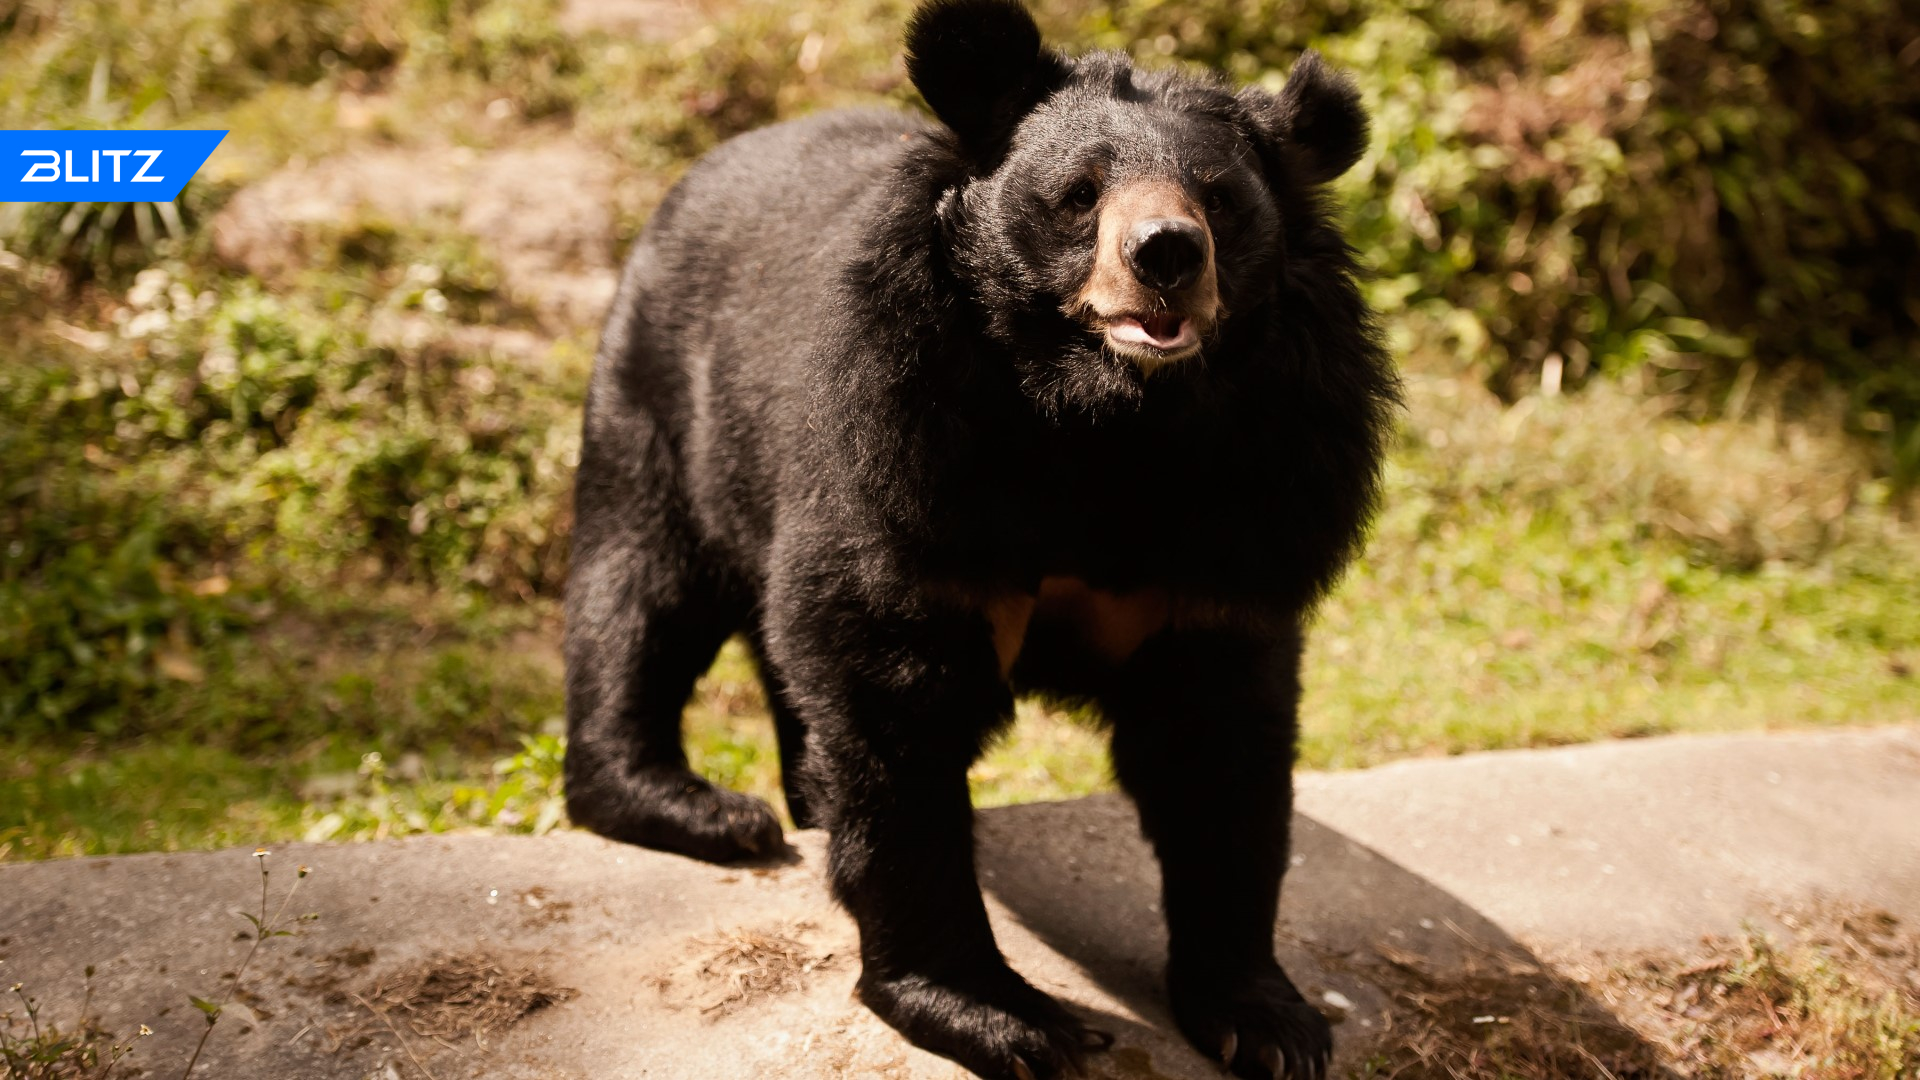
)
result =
(740, 967)
(1126, 1063)
(544, 210)
(269, 227)
(543, 908)
(352, 956)
(854, 1043)
(462, 996)
(327, 978)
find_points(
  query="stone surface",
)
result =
(1648, 843)
(1570, 854)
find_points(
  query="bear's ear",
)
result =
(1316, 119)
(980, 65)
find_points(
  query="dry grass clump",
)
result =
(743, 966)
(1780, 483)
(1841, 1003)
(463, 995)
(1497, 1017)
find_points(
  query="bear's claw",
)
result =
(1260, 1027)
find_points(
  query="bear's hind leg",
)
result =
(645, 617)
(628, 678)
(791, 733)
(1203, 739)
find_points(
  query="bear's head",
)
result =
(1118, 222)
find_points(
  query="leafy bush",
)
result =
(513, 45)
(218, 445)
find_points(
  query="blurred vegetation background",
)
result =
(284, 467)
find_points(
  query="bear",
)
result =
(1069, 390)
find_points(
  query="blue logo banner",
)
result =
(101, 166)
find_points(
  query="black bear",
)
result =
(1072, 393)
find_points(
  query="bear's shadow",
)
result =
(1079, 877)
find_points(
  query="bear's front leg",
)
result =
(1203, 739)
(897, 705)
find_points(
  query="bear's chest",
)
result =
(1124, 510)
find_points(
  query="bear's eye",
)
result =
(1083, 195)
(1219, 200)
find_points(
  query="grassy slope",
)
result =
(1563, 569)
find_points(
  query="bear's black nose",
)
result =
(1166, 253)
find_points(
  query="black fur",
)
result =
(843, 389)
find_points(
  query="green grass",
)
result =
(267, 573)
(361, 727)
(1533, 582)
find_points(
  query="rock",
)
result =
(632, 963)
(1646, 843)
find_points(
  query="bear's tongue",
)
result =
(1163, 330)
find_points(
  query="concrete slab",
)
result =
(1568, 853)
(1647, 843)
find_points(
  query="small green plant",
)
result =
(31, 1050)
(264, 927)
(529, 797)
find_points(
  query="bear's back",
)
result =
(724, 296)
(740, 250)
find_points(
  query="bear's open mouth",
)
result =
(1163, 331)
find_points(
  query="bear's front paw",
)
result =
(1257, 1025)
(998, 1026)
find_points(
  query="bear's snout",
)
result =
(1152, 293)
(1166, 253)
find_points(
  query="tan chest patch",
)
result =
(1009, 613)
(1112, 625)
